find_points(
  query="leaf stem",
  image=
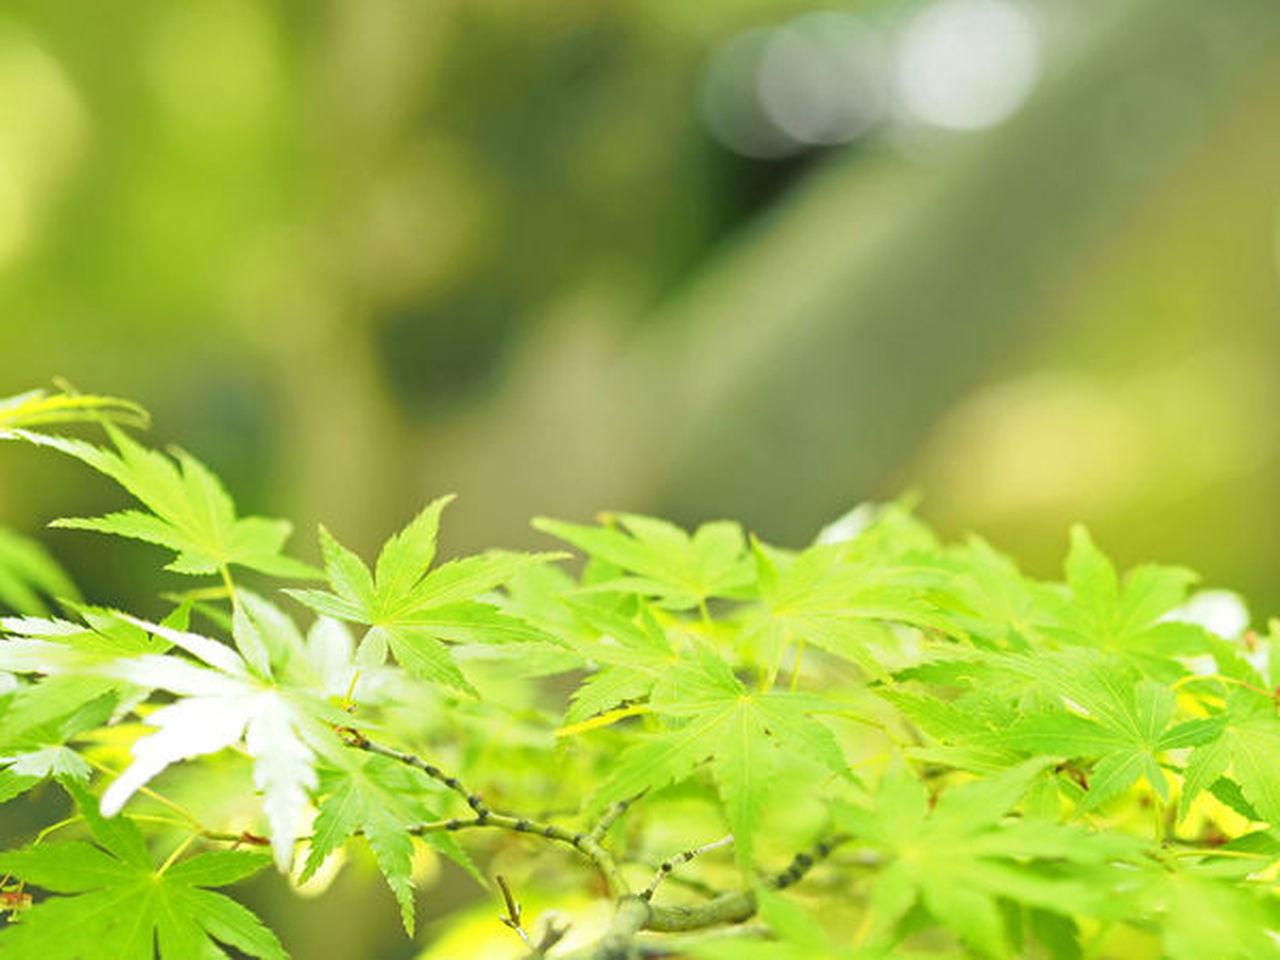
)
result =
(603, 720)
(148, 792)
(1218, 852)
(795, 667)
(53, 827)
(1223, 678)
(706, 615)
(177, 852)
(228, 583)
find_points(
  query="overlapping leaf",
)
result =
(29, 576)
(411, 608)
(834, 600)
(188, 509)
(38, 722)
(1245, 743)
(379, 798)
(1097, 707)
(113, 901)
(39, 719)
(225, 697)
(960, 856)
(1098, 609)
(740, 733)
(662, 561)
(38, 408)
(634, 657)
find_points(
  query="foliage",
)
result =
(942, 755)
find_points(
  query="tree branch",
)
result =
(586, 843)
(629, 918)
(582, 842)
(610, 817)
(739, 905)
(358, 741)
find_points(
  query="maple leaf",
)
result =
(1201, 916)
(996, 603)
(410, 608)
(225, 697)
(1099, 707)
(960, 856)
(28, 575)
(188, 509)
(113, 901)
(379, 798)
(39, 408)
(1096, 608)
(635, 657)
(36, 725)
(1245, 742)
(39, 719)
(835, 597)
(740, 733)
(664, 561)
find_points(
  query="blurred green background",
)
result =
(750, 258)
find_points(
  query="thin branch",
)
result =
(357, 740)
(581, 842)
(668, 865)
(611, 816)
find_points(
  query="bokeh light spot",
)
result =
(731, 100)
(967, 64)
(824, 78)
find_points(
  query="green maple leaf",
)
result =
(39, 719)
(998, 604)
(1100, 708)
(113, 901)
(38, 408)
(260, 694)
(1204, 910)
(961, 856)
(28, 575)
(36, 725)
(836, 596)
(379, 798)
(635, 656)
(661, 560)
(188, 509)
(1098, 609)
(1245, 742)
(740, 733)
(410, 608)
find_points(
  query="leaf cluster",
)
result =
(989, 764)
